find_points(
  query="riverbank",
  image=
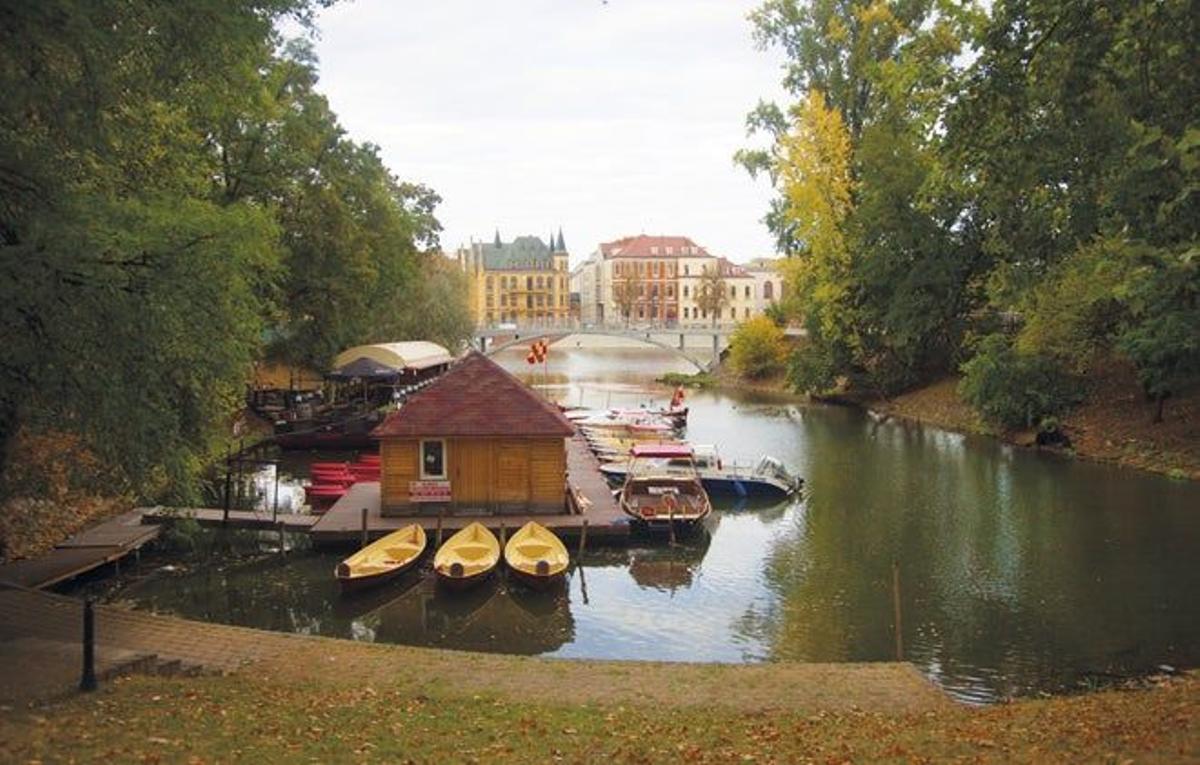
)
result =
(334, 715)
(1113, 424)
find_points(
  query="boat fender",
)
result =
(543, 567)
(456, 569)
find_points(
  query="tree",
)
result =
(758, 348)
(711, 293)
(627, 289)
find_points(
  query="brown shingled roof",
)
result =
(476, 397)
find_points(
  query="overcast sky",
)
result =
(608, 119)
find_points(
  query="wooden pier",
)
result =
(590, 498)
(106, 543)
(261, 520)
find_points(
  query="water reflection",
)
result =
(1020, 572)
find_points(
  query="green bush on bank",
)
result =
(758, 348)
(1013, 389)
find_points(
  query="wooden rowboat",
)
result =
(382, 560)
(468, 557)
(536, 556)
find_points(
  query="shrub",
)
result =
(1015, 390)
(758, 348)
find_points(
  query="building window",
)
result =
(733, 292)
(539, 283)
(670, 290)
(529, 301)
(768, 291)
(653, 250)
(529, 283)
(747, 291)
(685, 312)
(489, 284)
(686, 269)
(503, 299)
(669, 250)
(733, 313)
(685, 290)
(433, 458)
(745, 313)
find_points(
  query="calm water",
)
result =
(1021, 572)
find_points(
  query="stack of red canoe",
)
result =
(330, 480)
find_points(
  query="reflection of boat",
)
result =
(468, 557)
(769, 479)
(536, 556)
(668, 569)
(382, 560)
(657, 497)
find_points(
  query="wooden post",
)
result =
(671, 524)
(896, 610)
(503, 535)
(88, 681)
(438, 539)
(275, 499)
(228, 486)
(279, 528)
(364, 527)
(582, 541)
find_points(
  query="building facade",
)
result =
(661, 281)
(523, 282)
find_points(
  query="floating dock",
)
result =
(591, 497)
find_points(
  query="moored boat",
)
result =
(768, 479)
(657, 495)
(536, 556)
(468, 557)
(382, 560)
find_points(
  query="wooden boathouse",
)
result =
(477, 440)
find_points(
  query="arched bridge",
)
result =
(493, 340)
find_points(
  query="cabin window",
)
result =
(433, 459)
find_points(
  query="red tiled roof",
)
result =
(639, 247)
(476, 397)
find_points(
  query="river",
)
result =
(1020, 572)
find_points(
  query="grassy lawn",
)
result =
(247, 718)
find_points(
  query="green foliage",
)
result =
(172, 190)
(1016, 390)
(697, 380)
(758, 348)
(1051, 186)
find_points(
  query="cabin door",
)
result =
(471, 477)
(512, 474)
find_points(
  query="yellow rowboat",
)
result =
(468, 557)
(536, 556)
(381, 560)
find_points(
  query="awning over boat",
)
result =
(385, 360)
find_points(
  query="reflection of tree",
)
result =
(1018, 572)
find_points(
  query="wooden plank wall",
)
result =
(496, 474)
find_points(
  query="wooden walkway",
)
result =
(106, 543)
(343, 522)
(238, 519)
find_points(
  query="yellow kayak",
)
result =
(382, 559)
(467, 557)
(536, 556)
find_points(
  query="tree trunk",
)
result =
(1158, 410)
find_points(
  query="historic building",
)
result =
(660, 280)
(523, 282)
